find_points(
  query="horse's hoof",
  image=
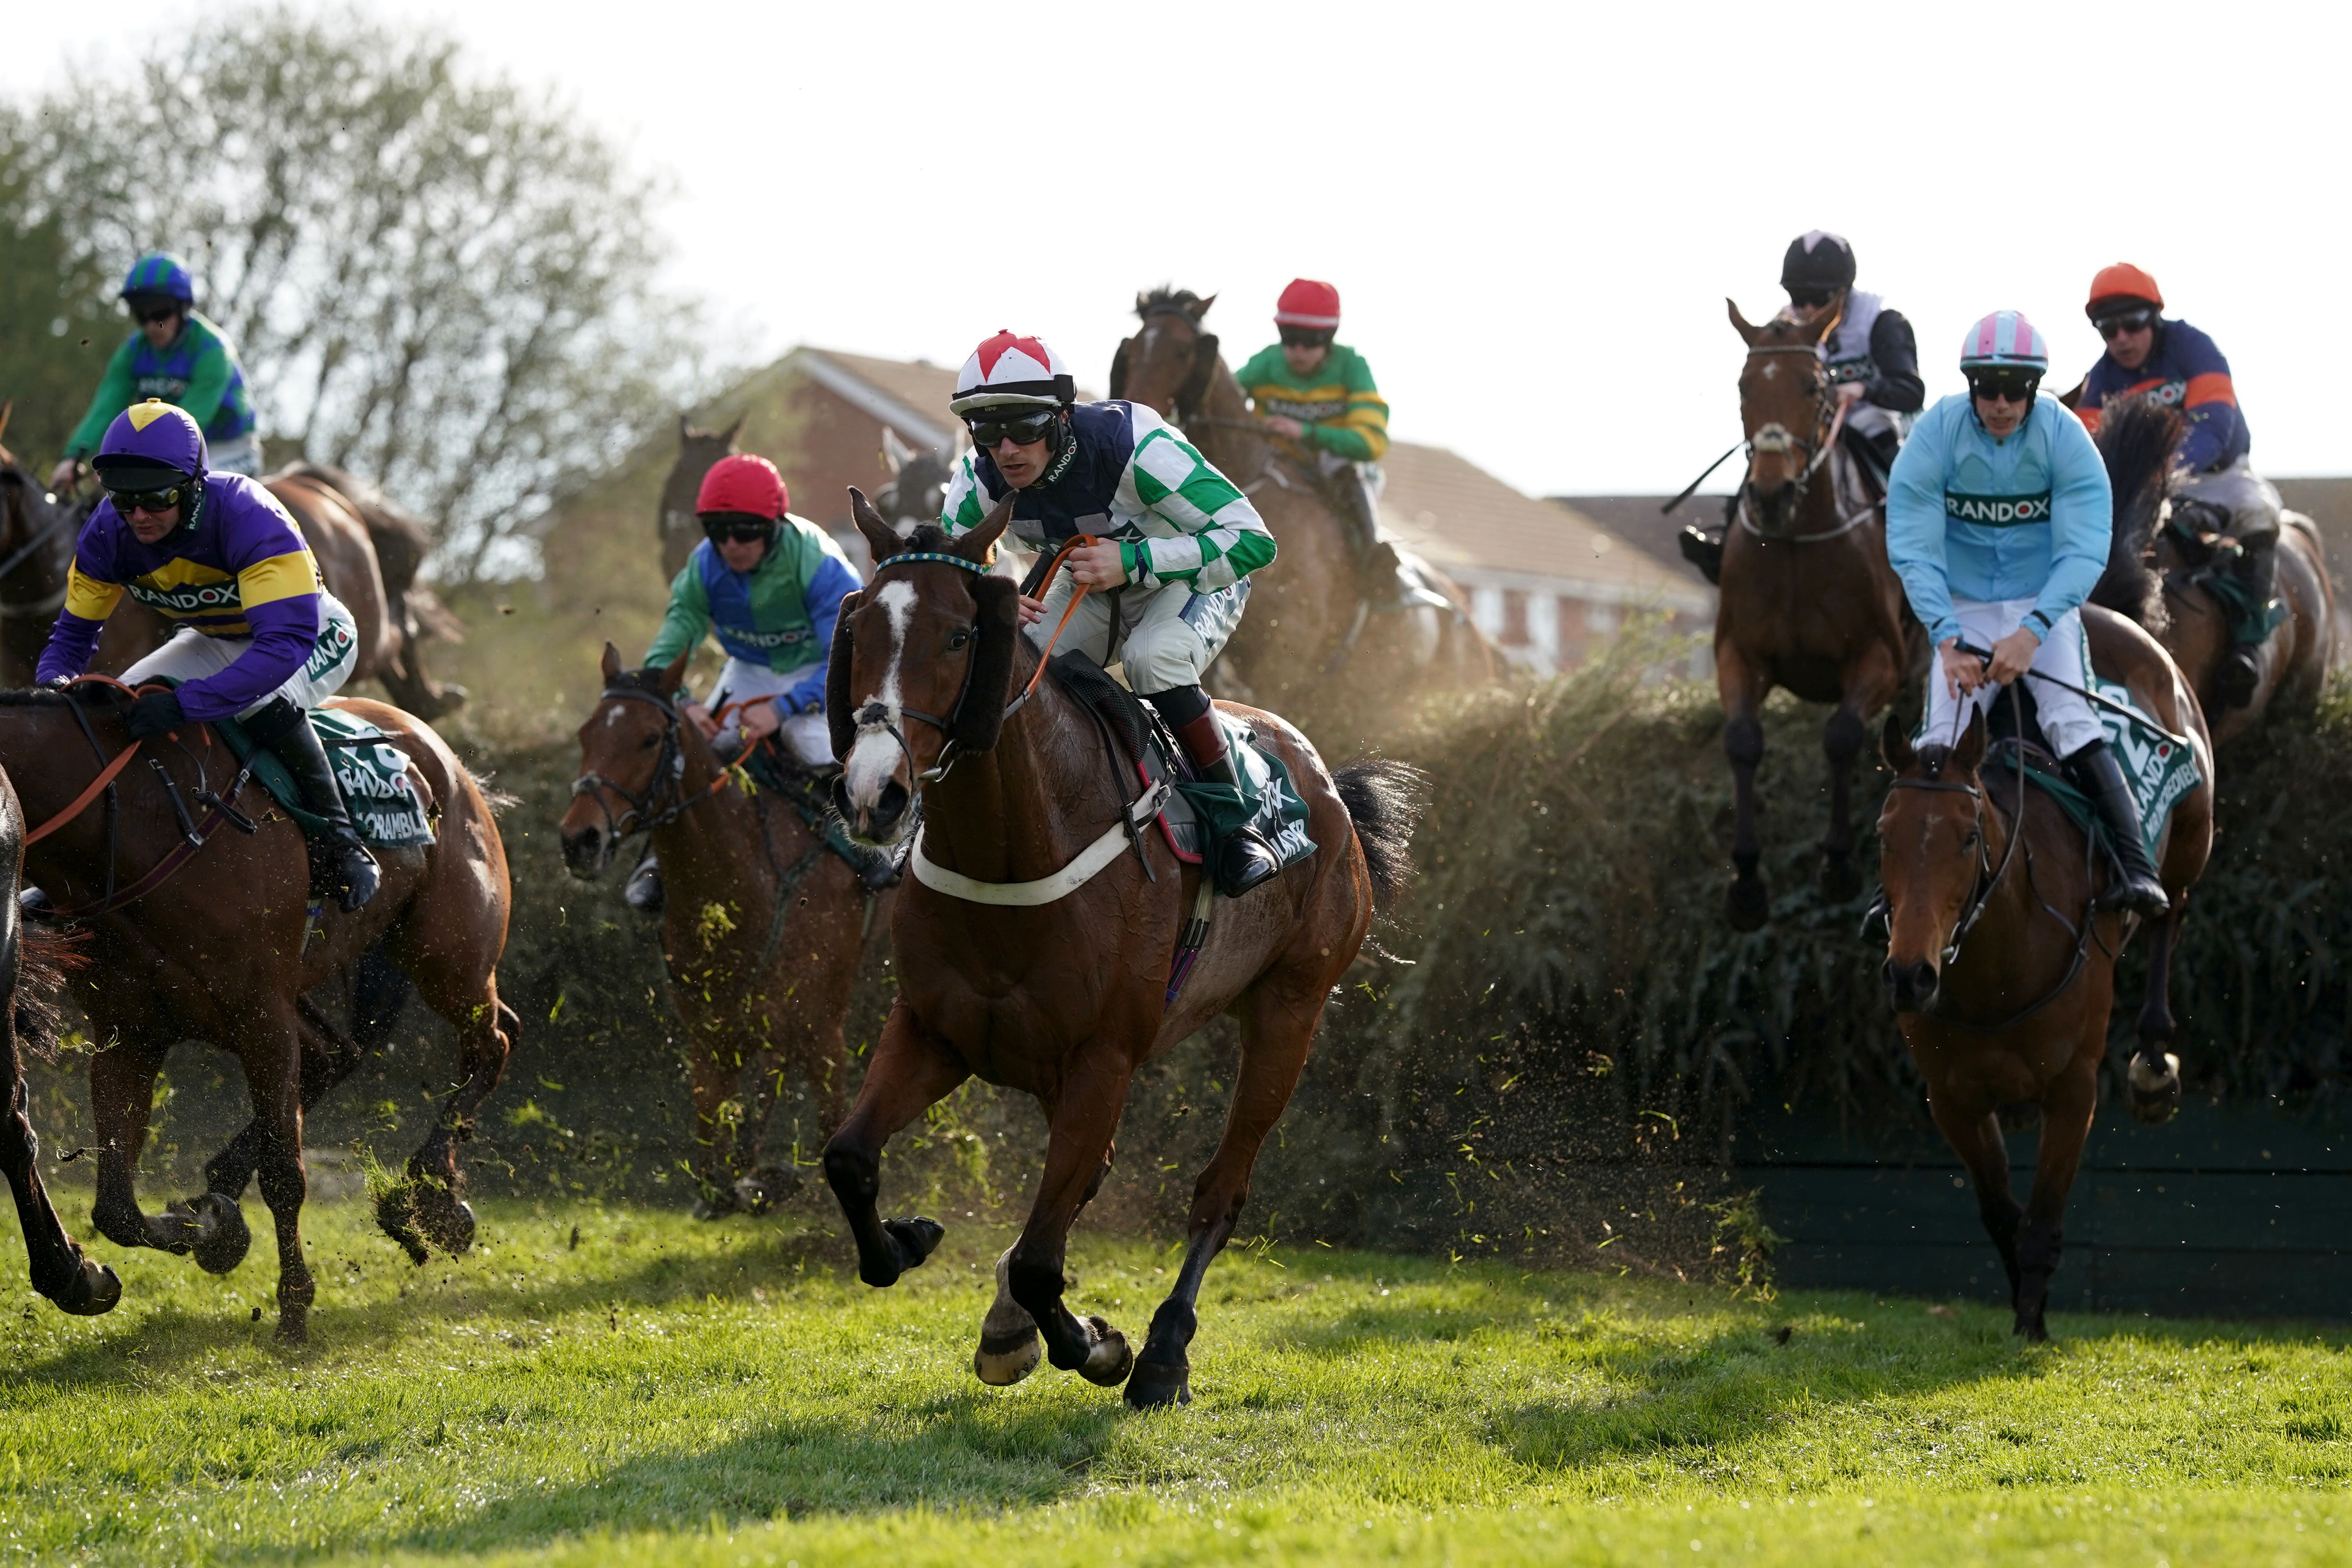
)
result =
(1001, 1363)
(765, 1188)
(448, 1225)
(712, 1202)
(293, 1325)
(2154, 1095)
(1155, 1387)
(222, 1237)
(1841, 879)
(2032, 1330)
(93, 1290)
(1109, 1361)
(395, 1213)
(1748, 905)
(915, 1238)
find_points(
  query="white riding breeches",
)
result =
(242, 455)
(2067, 722)
(189, 655)
(1167, 634)
(804, 735)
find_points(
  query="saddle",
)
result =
(388, 809)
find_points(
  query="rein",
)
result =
(644, 814)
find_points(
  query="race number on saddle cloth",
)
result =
(197, 370)
(775, 621)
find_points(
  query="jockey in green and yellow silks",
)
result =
(1320, 396)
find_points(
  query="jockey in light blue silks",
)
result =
(1998, 520)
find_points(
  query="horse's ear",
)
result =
(1895, 746)
(1202, 308)
(1740, 324)
(1196, 390)
(880, 537)
(728, 435)
(975, 545)
(1118, 368)
(981, 715)
(611, 665)
(1971, 749)
(895, 452)
(684, 429)
(840, 717)
(673, 675)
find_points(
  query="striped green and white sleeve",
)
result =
(967, 505)
(1221, 539)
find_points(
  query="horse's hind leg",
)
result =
(2067, 1107)
(429, 1206)
(1977, 1140)
(272, 1057)
(2153, 1081)
(1008, 1335)
(912, 1070)
(1082, 1118)
(1748, 904)
(1277, 1019)
(121, 1093)
(79, 1285)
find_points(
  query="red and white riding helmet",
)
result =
(1011, 371)
(2004, 338)
(1308, 303)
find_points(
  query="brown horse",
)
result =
(1064, 990)
(1312, 643)
(29, 979)
(2138, 438)
(763, 930)
(2001, 972)
(36, 540)
(1809, 601)
(413, 612)
(212, 943)
(680, 531)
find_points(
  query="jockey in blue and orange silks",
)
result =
(1998, 520)
(2217, 493)
(259, 636)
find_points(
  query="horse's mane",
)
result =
(1167, 297)
(39, 696)
(647, 679)
(2136, 440)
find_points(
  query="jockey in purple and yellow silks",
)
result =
(2218, 494)
(259, 636)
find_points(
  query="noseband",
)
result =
(875, 716)
(1777, 440)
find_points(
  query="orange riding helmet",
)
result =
(2122, 281)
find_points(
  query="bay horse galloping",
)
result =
(37, 541)
(1809, 601)
(2002, 974)
(762, 926)
(1049, 970)
(2171, 581)
(197, 933)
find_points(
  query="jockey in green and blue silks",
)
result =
(1998, 520)
(179, 356)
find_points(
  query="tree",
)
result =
(55, 326)
(445, 282)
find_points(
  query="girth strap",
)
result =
(1090, 863)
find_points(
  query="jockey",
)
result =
(1320, 396)
(259, 636)
(1177, 541)
(769, 586)
(2174, 364)
(1998, 520)
(1873, 358)
(177, 355)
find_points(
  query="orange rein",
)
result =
(1071, 609)
(106, 775)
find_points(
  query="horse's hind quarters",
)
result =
(1910, 984)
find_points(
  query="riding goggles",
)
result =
(1306, 337)
(1812, 298)
(1020, 428)
(153, 501)
(2111, 327)
(2016, 385)
(742, 527)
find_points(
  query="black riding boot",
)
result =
(1376, 559)
(1240, 857)
(643, 892)
(2241, 674)
(352, 874)
(2097, 774)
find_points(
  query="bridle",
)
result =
(62, 517)
(646, 810)
(1777, 440)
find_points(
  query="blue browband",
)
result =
(944, 560)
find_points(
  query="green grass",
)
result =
(667, 1392)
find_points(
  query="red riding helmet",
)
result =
(2122, 281)
(742, 482)
(1307, 303)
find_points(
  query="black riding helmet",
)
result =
(1818, 262)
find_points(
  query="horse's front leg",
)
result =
(272, 1057)
(912, 1070)
(1975, 1137)
(121, 1093)
(2153, 1081)
(1008, 1334)
(1741, 688)
(1868, 683)
(2067, 1107)
(1083, 1116)
(79, 1285)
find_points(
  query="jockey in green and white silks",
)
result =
(179, 356)
(1177, 541)
(1998, 520)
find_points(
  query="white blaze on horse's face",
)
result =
(876, 756)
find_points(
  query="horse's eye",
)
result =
(1969, 840)
(958, 638)
(649, 742)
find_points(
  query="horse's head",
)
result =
(696, 450)
(917, 493)
(632, 754)
(1168, 364)
(1931, 854)
(930, 639)
(1785, 408)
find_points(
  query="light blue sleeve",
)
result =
(2081, 514)
(832, 582)
(1914, 526)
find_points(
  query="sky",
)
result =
(1533, 214)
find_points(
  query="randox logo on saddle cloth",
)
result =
(2158, 772)
(1997, 512)
(386, 809)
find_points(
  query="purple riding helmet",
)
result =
(154, 445)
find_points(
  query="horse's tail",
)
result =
(2137, 438)
(44, 958)
(1385, 800)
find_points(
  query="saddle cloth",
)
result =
(386, 806)
(2158, 772)
(1276, 809)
